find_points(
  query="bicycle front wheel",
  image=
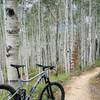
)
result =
(52, 91)
(7, 92)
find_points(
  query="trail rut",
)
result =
(78, 89)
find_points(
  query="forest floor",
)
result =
(80, 88)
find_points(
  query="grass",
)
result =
(61, 78)
(77, 70)
(97, 62)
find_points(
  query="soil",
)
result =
(79, 88)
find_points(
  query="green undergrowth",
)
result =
(76, 71)
(97, 62)
(60, 77)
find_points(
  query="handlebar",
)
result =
(45, 67)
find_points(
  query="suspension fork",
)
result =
(49, 89)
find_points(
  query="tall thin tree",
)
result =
(12, 38)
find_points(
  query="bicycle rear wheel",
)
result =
(7, 92)
(55, 93)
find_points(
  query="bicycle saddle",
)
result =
(17, 66)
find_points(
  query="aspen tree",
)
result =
(12, 38)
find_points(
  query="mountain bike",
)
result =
(51, 90)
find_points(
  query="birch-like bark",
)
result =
(96, 38)
(39, 33)
(25, 48)
(71, 33)
(12, 39)
(90, 33)
(93, 38)
(57, 34)
(1, 67)
(82, 37)
(1, 47)
(66, 41)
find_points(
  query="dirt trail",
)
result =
(79, 87)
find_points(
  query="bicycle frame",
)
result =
(41, 75)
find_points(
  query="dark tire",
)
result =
(44, 95)
(10, 90)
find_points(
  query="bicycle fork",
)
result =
(49, 89)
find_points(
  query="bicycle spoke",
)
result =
(55, 92)
(5, 95)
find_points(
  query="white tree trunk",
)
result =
(90, 34)
(82, 37)
(66, 41)
(71, 33)
(12, 39)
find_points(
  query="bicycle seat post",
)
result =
(18, 73)
(17, 67)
